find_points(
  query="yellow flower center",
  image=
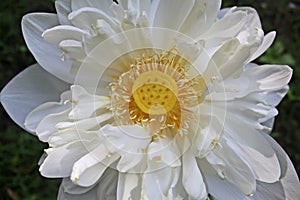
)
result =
(155, 93)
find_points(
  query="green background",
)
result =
(19, 151)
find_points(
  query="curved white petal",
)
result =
(126, 139)
(192, 178)
(86, 104)
(221, 189)
(47, 126)
(29, 89)
(178, 12)
(72, 188)
(46, 54)
(165, 151)
(201, 17)
(289, 178)
(60, 160)
(226, 27)
(107, 187)
(267, 42)
(236, 170)
(64, 195)
(266, 168)
(272, 77)
(62, 32)
(100, 4)
(129, 186)
(160, 180)
(34, 118)
(88, 169)
(86, 18)
(63, 8)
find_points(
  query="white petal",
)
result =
(59, 162)
(107, 187)
(226, 27)
(165, 151)
(126, 139)
(29, 89)
(267, 42)
(47, 55)
(64, 195)
(100, 4)
(73, 48)
(160, 179)
(236, 170)
(241, 124)
(289, 179)
(267, 191)
(86, 104)
(151, 187)
(178, 12)
(85, 124)
(206, 139)
(202, 15)
(89, 139)
(46, 126)
(253, 20)
(88, 169)
(129, 186)
(223, 190)
(192, 178)
(71, 188)
(273, 77)
(62, 32)
(266, 168)
(63, 8)
(85, 18)
(33, 119)
(228, 59)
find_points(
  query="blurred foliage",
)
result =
(19, 151)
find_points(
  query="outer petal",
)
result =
(31, 88)
(47, 55)
(289, 179)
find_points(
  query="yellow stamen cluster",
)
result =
(157, 92)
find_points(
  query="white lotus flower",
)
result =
(154, 100)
